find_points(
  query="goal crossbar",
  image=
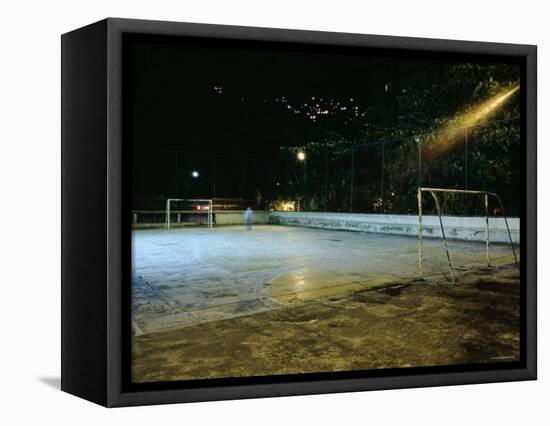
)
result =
(433, 192)
(191, 200)
(460, 191)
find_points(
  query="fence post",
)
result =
(210, 214)
(382, 180)
(326, 179)
(167, 222)
(487, 227)
(351, 182)
(420, 248)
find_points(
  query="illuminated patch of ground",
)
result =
(307, 284)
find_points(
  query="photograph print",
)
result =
(306, 210)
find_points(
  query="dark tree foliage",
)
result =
(374, 165)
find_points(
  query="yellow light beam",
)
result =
(454, 131)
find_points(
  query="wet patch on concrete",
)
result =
(415, 323)
(307, 284)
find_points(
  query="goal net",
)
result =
(188, 212)
(454, 209)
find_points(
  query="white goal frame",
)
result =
(433, 192)
(208, 202)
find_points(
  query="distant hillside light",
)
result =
(195, 174)
(301, 156)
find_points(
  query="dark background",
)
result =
(225, 111)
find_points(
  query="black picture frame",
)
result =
(95, 260)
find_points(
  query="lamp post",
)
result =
(189, 182)
(213, 176)
(302, 157)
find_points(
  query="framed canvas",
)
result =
(254, 212)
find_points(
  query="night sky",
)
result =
(224, 109)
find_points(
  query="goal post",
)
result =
(437, 191)
(188, 212)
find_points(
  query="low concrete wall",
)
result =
(155, 219)
(458, 228)
(236, 217)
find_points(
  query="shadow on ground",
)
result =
(53, 382)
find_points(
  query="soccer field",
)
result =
(183, 277)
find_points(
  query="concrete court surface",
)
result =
(409, 325)
(183, 277)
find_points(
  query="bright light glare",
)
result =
(455, 130)
(288, 206)
(195, 174)
(301, 156)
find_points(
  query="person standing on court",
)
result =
(248, 218)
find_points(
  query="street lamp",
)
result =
(302, 157)
(195, 174)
